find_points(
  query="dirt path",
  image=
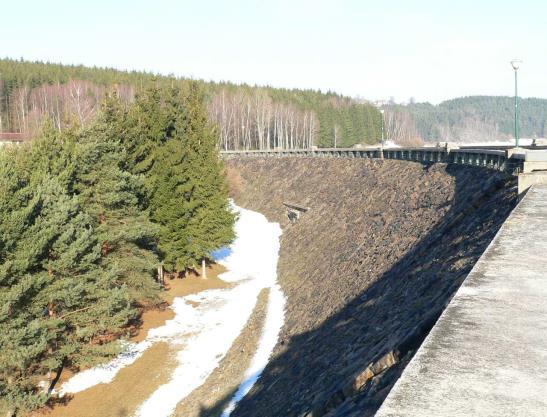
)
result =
(210, 398)
(136, 382)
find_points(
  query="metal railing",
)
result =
(497, 159)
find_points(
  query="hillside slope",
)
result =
(478, 118)
(367, 270)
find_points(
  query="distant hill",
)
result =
(476, 118)
(480, 117)
(247, 116)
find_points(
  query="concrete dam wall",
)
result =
(367, 270)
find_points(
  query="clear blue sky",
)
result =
(429, 49)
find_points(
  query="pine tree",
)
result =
(56, 303)
(146, 126)
(114, 197)
(83, 217)
(188, 197)
(211, 226)
(171, 191)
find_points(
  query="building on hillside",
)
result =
(11, 138)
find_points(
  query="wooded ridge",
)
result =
(247, 117)
(467, 119)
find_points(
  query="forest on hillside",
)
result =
(468, 119)
(245, 117)
(90, 217)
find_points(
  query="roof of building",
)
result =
(12, 136)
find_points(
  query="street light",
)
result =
(515, 63)
(382, 112)
(382, 143)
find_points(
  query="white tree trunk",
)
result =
(203, 270)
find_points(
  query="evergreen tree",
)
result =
(56, 303)
(188, 197)
(211, 225)
(114, 197)
(83, 217)
(147, 126)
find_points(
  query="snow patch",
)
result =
(207, 331)
(390, 144)
(104, 374)
(274, 321)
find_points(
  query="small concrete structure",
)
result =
(535, 161)
(294, 211)
(487, 353)
(534, 168)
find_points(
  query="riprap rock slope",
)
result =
(366, 271)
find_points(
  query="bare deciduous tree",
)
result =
(255, 121)
(400, 127)
(245, 120)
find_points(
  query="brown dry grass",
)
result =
(122, 396)
(235, 182)
(134, 383)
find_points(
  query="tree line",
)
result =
(248, 117)
(400, 127)
(475, 118)
(87, 215)
(255, 121)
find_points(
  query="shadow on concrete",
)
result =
(322, 371)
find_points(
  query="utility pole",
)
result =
(515, 63)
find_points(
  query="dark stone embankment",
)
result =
(367, 271)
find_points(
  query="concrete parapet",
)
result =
(527, 179)
(510, 160)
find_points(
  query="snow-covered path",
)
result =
(204, 332)
(274, 321)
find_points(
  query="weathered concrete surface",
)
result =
(526, 180)
(487, 354)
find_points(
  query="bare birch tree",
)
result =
(400, 127)
(255, 121)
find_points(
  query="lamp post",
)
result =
(382, 112)
(515, 63)
(382, 143)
